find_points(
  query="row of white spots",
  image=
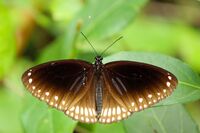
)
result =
(113, 114)
(30, 80)
(114, 118)
(141, 100)
(168, 83)
(75, 112)
(83, 111)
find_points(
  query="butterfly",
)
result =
(103, 93)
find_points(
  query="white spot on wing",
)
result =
(30, 80)
(81, 110)
(47, 93)
(150, 96)
(94, 112)
(71, 114)
(72, 109)
(76, 117)
(119, 118)
(113, 111)
(124, 115)
(105, 112)
(108, 120)
(154, 100)
(86, 112)
(123, 109)
(56, 98)
(77, 110)
(90, 111)
(29, 74)
(109, 112)
(168, 84)
(118, 110)
(113, 118)
(169, 77)
(140, 100)
(87, 119)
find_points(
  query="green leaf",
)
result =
(160, 36)
(57, 50)
(7, 41)
(166, 119)
(37, 118)
(109, 17)
(165, 36)
(189, 82)
(109, 128)
(59, 8)
(9, 113)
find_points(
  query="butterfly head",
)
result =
(98, 61)
(98, 58)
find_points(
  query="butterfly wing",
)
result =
(131, 87)
(65, 85)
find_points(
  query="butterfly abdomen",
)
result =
(99, 94)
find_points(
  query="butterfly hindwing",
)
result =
(65, 85)
(113, 107)
(133, 86)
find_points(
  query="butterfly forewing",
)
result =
(65, 85)
(131, 87)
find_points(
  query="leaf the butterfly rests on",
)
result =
(96, 92)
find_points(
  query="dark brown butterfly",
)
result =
(96, 92)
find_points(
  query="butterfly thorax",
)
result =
(98, 84)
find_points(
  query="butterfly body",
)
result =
(98, 69)
(98, 92)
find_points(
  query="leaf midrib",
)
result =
(189, 84)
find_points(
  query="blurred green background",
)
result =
(36, 31)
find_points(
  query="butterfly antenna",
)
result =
(111, 45)
(90, 44)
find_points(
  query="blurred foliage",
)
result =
(32, 32)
